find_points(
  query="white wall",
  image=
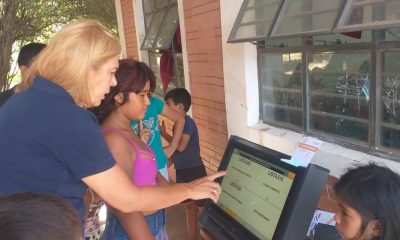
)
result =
(241, 98)
(184, 49)
(120, 28)
(140, 29)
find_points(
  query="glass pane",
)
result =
(390, 100)
(392, 34)
(339, 102)
(254, 20)
(345, 38)
(281, 88)
(147, 21)
(390, 137)
(162, 3)
(154, 63)
(372, 14)
(306, 16)
(149, 6)
(167, 29)
(178, 79)
(151, 34)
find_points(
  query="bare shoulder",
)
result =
(116, 140)
(121, 150)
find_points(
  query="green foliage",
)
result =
(41, 18)
(23, 21)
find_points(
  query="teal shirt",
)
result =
(150, 121)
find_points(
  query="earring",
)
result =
(119, 98)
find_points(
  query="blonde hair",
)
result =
(79, 47)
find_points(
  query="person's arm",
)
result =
(179, 123)
(114, 187)
(164, 133)
(183, 142)
(188, 131)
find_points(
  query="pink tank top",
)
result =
(144, 166)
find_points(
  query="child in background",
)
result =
(369, 207)
(187, 159)
(127, 101)
(149, 131)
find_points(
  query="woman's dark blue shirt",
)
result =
(48, 144)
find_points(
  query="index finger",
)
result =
(140, 125)
(216, 175)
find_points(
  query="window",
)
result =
(337, 99)
(150, 7)
(260, 20)
(254, 20)
(177, 80)
(339, 93)
(371, 14)
(306, 17)
(339, 79)
(162, 28)
(162, 41)
(281, 88)
(389, 135)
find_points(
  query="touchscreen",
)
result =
(254, 192)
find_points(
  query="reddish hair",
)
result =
(131, 76)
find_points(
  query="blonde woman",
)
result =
(50, 143)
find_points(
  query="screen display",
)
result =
(254, 194)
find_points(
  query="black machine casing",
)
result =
(298, 209)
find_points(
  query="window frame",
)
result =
(276, 51)
(178, 76)
(280, 17)
(376, 47)
(338, 26)
(164, 11)
(345, 14)
(239, 18)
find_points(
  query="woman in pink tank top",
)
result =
(127, 101)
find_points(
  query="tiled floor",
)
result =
(176, 223)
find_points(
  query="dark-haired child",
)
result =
(369, 203)
(128, 101)
(186, 158)
(38, 216)
(26, 56)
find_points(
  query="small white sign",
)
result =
(305, 151)
(323, 217)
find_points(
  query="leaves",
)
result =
(37, 20)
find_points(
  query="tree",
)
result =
(7, 33)
(26, 20)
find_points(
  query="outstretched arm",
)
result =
(115, 188)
